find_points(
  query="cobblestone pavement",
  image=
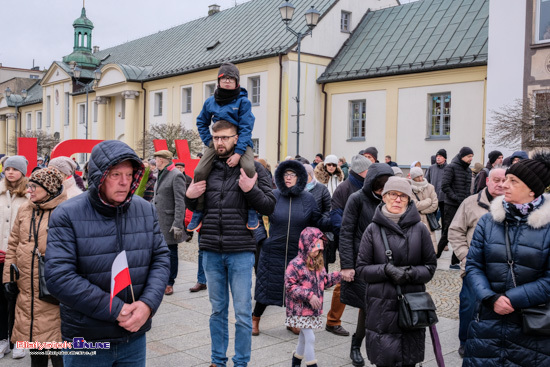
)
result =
(445, 287)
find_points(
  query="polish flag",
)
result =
(120, 276)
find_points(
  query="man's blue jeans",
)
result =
(467, 309)
(201, 278)
(173, 264)
(131, 354)
(234, 270)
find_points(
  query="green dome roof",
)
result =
(83, 21)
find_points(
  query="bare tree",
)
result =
(45, 141)
(524, 123)
(170, 132)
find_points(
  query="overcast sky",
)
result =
(42, 30)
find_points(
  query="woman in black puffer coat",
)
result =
(295, 209)
(414, 265)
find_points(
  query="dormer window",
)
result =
(345, 22)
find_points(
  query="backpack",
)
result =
(476, 181)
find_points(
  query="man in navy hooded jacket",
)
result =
(85, 235)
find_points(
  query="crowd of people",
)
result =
(94, 259)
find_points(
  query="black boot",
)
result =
(296, 360)
(355, 352)
(311, 363)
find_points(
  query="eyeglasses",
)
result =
(223, 138)
(116, 176)
(31, 187)
(228, 79)
(290, 174)
(330, 165)
(394, 195)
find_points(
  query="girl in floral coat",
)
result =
(305, 282)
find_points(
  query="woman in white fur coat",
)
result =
(67, 166)
(329, 174)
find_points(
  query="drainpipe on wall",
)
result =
(324, 120)
(280, 107)
(144, 114)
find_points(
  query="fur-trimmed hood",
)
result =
(301, 181)
(322, 175)
(537, 219)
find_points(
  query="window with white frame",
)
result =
(39, 120)
(439, 124)
(29, 121)
(186, 94)
(81, 113)
(158, 104)
(48, 111)
(541, 128)
(67, 109)
(123, 108)
(95, 111)
(345, 21)
(256, 143)
(209, 90)
(357, 119)
(254, 89)
(542, 21)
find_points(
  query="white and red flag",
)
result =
(120, 276)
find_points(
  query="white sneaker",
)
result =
(18, 353)
(4, 347)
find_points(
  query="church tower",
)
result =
(82, 49)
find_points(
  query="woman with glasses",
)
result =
(329, 173)
(295, 209)
(35, 319)
(13, 194)
(414, 265)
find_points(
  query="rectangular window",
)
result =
(541, 128)
(543, 21)
(357, 121)
(254, 88)
(29, 121)
(158, 104)
(123, 108)
(345, 22)
(39, 120)
(67, 109)
(209, 90)
(256, 143)
(48, 111)
(81, 113)
(440, 116)
(95, 109)
(33, 76)
(186, 100)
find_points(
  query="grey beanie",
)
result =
(359, 163)
(398, 184)
(416, 172)
(397, 171)
(64, 165)
(309, 170)
(230, 70)
(18, 162)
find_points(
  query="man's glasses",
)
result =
(290, 174)
(31, 187)
(394, 195)
(228, 79)
(223, 138)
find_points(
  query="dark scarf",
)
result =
(226, 96)
(520, 212)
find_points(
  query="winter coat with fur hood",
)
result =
(331, 181)
(357, 216)
(9, 205)
(498, 340)
(71, 188)
(302, 283)
(295, 209)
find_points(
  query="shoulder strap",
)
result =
(390, 257)
(509, 253)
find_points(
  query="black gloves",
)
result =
(398, 274)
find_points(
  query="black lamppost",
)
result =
(16, 103)
(312, 17)
(77, 72)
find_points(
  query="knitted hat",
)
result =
(477, 168)
(166, 154)
(228, 69)
(397, 171)
(309, 170)
(359, 163)
(398, 184)
(493, 156)
(414, 164)
(50, 179)
(331, 158)
(372, 151)
(18, 162)
(535, 173)
(65, 165)
(416, 172)
(441, 152)
(519, 154)
(464, 151)
(320, 156)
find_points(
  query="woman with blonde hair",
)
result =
(13, 194)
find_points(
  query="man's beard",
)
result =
(227, 154)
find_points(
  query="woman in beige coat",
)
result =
(425, 198)
(35, 320)
(13, 193)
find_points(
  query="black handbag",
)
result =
(43, 293)
(432, 219)
(536, 319)
(415, 310)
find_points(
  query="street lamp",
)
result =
(312, 17)
(16, 103)
(77, 72)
